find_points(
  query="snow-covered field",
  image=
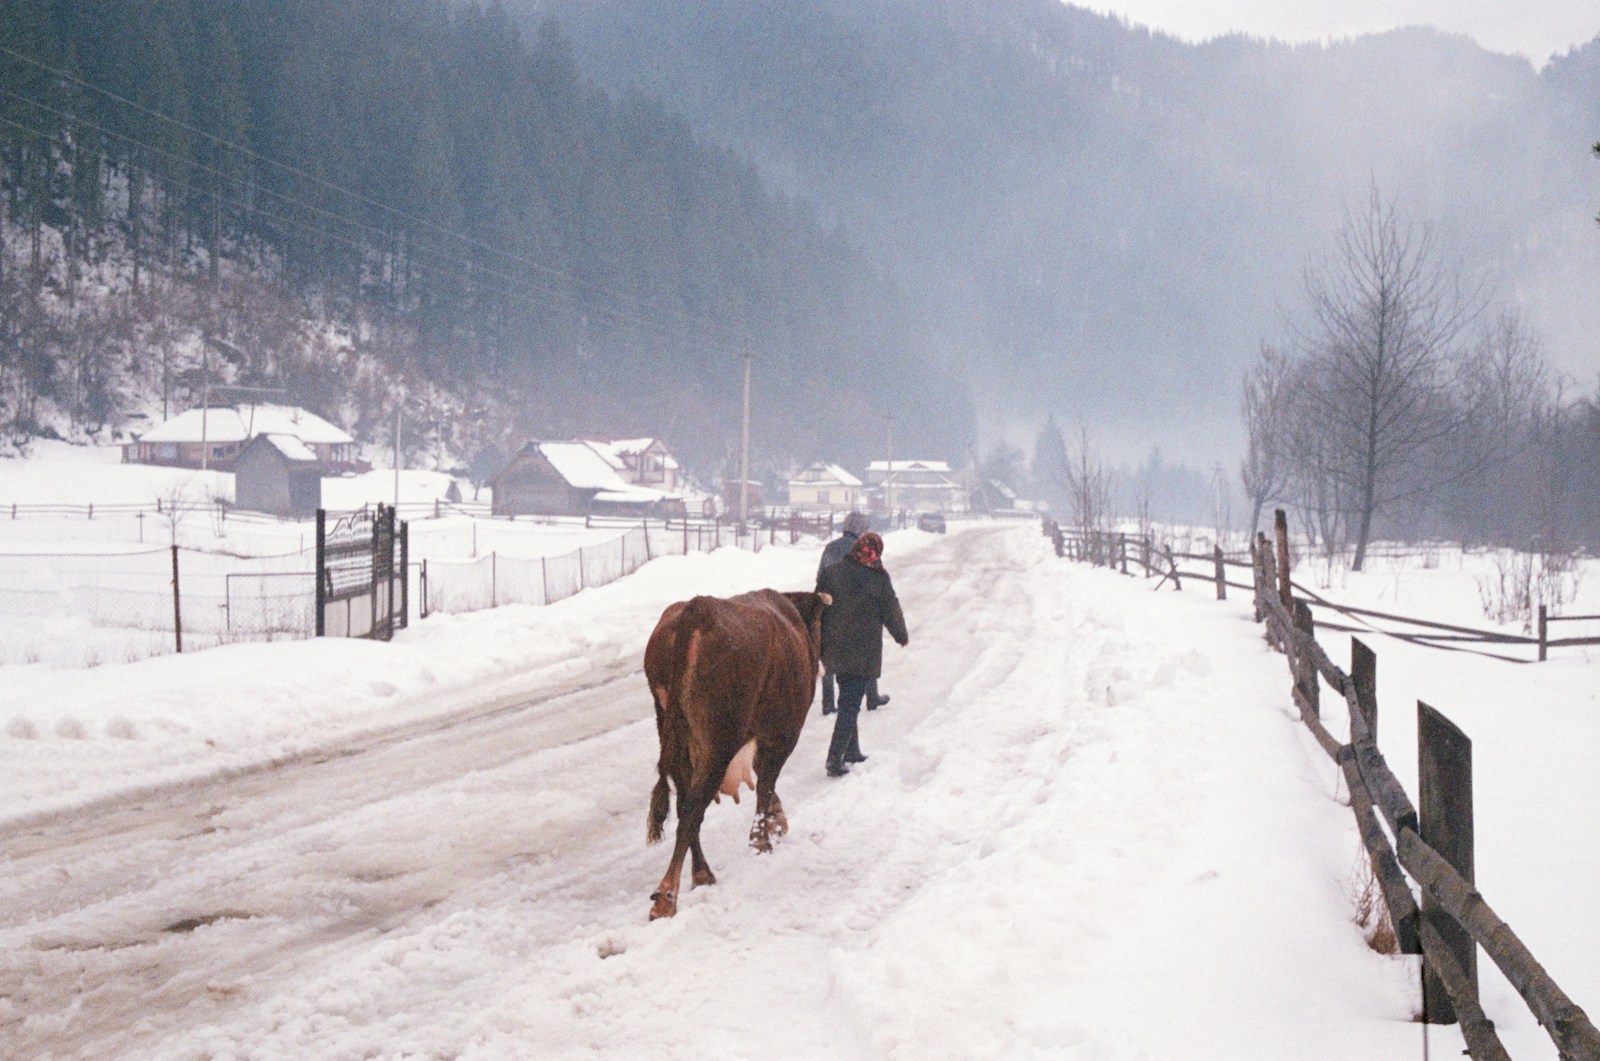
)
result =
(86, 580)
(1090, 827)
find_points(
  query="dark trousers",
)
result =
(846, 740)
(827, 692)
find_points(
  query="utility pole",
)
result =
(398, 405)
(744, 450)
(888, 475)
(205, 404)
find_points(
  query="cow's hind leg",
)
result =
(666, 893)
(701, 869)
(770, 819)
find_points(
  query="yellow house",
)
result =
(825, 488)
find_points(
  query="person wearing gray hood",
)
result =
(853, 527)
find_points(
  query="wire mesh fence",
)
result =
(110, 603)
(456, 586)
(84, 608)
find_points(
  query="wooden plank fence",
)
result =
(1433, 844)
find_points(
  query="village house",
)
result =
(914, 486)
(571, 479)
(824, 487)
(642, 462)
(216, 436)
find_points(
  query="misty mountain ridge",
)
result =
(1103, 220)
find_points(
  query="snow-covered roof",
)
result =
(633, 495)
(581, 466)
(824, 472)
(291, 447)
(910, 466)
(238, 423)
(614, 449)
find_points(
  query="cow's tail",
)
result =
(695, 618)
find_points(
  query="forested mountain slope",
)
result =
(1111, 219)
(384, 196)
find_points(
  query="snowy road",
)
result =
(1053, 851)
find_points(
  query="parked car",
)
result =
(931, 521)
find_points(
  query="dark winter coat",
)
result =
(836, 551)
(863, 605)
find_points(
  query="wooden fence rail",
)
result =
(1459, 912)
(1115, 548)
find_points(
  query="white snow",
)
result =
(1090, 827)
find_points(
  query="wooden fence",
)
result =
(1124, 551)
(1433, 845)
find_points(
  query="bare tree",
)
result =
(1381, 385)
(1088, 483)
(1264, 472)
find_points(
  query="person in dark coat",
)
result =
(864, 605)
(855, 524)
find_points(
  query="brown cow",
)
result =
(733, 681)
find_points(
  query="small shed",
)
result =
(730, 496)
(280, 475)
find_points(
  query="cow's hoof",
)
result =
(700, 877)
(665, 906)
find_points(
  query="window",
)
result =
(822, 499)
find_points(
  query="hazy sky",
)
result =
(1533, 28)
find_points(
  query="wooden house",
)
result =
(216, 436)
(568, 479)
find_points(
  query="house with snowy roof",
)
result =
(641, 461)
(571, 479)
(915, 485)
(825, 487)
(215, 437)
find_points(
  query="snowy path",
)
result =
(1084, 831)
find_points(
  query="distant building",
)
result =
(570, 479)
(825, 488)
(915, 485)
(642, 462)
(278, 474)
(730, 497)
(220, 434)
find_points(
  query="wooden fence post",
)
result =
(1308, 690)
(1544, 633)
(1444, 781)
(1364, 677)
(1281, 527)
(1222, 576)
(177, 606)
(1122, 547)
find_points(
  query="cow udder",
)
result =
(741, 771)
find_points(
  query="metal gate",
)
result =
(362, 559)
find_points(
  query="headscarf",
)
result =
(867, 551)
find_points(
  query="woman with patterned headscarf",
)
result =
(864, 604)
(855, 524)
